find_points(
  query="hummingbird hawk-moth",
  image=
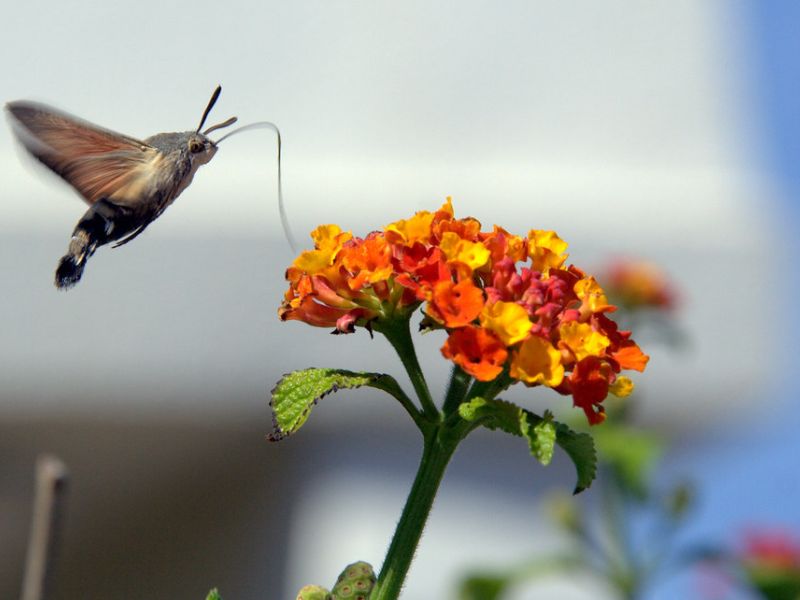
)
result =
(127, 182)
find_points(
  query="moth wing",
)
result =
(97, 162)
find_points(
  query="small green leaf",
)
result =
(295, 395)
(508, 417)
(213, 595)
(541, 437)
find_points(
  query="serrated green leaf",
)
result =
(296, 394)
(213, 595)
(510, 418)
(580, 448)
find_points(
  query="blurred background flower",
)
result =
(637, 284)
(667, 131)
(771, 563)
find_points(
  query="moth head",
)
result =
(199, 148)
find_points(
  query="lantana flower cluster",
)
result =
(509, 305)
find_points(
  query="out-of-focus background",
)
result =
(664, 130)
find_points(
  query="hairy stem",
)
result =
(435, 456)
(457, 390)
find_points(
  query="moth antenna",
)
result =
(281, 208)
(211, 104)
(227, 123)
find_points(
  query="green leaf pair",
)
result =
(541, 433)
(296, 394)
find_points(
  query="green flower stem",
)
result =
(459, 382)
(398, 333)
(436, 455)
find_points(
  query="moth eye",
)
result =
(195, 146)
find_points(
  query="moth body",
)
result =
(127, 183)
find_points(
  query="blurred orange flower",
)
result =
(639, 284)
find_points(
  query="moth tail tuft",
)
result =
(69, 272)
